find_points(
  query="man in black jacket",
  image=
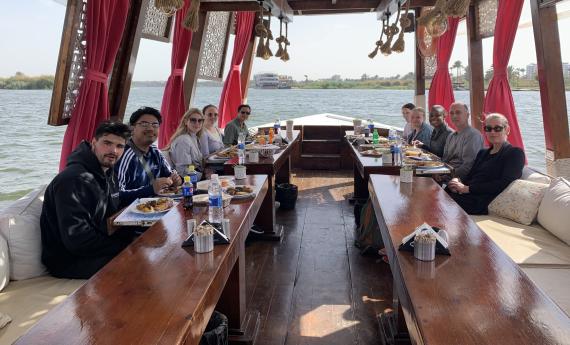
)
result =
(77, 204)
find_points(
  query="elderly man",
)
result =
(78, 202)
(143, 171)
(237, 125)
(461, 147)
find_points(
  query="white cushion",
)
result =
(534, 176)
(4, 263)
(519, 201)
(20, 226)
(554, 211)
(554, 282)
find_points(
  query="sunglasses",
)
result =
(194, 120)
(497, 129)
(245, 112)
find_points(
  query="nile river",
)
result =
(30, 149)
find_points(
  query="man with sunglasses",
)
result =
(237, 125)
(142, 171)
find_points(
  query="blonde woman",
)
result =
(188, 144)
(211, 130)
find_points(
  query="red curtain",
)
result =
(499, 98)
(441, 89)
(231, 96)
(173, 106)
(104, 30)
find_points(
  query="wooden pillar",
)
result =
(420, 72)
(126, 59)
(476, 74)
(192, 66)
(247, 65)
(552, 91)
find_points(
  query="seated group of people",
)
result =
(480, 174)
(119, 165)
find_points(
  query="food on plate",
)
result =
(239, 190)
(373, 153)
(155, 205)
(228, 153)
(413, 153)
(172, 190)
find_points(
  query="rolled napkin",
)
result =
(424, 246)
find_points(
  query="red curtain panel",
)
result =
(441, 89)
(499, 98)
(231, 96)
(173, 107)
(104, 30)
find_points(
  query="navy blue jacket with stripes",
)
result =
(134, 182)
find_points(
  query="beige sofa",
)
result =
(543, 256)
(26, 291)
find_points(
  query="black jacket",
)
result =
(77, 203)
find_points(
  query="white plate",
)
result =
(203, 185)
(244, 196)
(133, 207)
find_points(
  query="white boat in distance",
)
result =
(272, 81)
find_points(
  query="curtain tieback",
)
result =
(96, 76)
(177, 72)
(235, 68)
(499, 74)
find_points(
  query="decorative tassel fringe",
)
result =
(192, 19)
(400, 44)
(457, 8)
(260, 48)
(168, 7)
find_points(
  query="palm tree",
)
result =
(458, 65)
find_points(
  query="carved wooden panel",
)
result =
(430, 65)
(486, 17)
(215, 42)
(157, 25)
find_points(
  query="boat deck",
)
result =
(314, 287)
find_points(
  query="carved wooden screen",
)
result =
(486, 17)
(215, 43)
(430, 65)
(157, 25)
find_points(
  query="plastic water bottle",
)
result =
(241, 148)
(375, 137)
(391, 134)
(215, 211)
(371, 125)
(277, 126)
(187, 193)
(193, 175)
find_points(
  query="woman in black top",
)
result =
(494, 169)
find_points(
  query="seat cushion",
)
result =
(20, 226)
(554, 282)
(554, 210)
(28, 300)
(519, 201)
(528, 246)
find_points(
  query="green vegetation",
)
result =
(20, 81)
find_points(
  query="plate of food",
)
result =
(171, 192)
(225, 182)
(241, 191)
(152, 205)
(413, 152)
(227, 153)
(203, 200)
(429, 164)
(371, 153)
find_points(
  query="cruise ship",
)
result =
(272, 81)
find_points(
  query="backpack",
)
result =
(367, 233)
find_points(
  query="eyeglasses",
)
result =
(195, 120)
(145, 124)
(497, 129)
(245, 112)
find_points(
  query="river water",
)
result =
(30, 149)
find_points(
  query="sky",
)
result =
(321, 46)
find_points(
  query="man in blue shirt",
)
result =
(142, 171)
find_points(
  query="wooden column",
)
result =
(247, 66)
(192, 66)
(476, 74)
(126, 59)
(420, 95)
(552, 91)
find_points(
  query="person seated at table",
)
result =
(421, 131)
(189, 144)
(494, 169)
(440, 132)
(143, 171)
(461, 147)
(77, 204)
(406, 113)
(237, 126)
(211, 130)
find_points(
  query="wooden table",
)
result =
(278, 170)
(156, 291)
(478, 295)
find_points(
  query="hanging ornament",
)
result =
(260, 31)
(438, 26)
(285, 56)
(168, 7)
(280, 39)
(427, 45)
(379, 43)
(386, 48)
(457, 8)
(405, 23)
(192, 19)
(435, 20)
(267, 51)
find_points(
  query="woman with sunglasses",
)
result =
(188, 145)
(211, 130)
(494, 169)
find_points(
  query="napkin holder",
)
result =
(219, 236)
(441, 244)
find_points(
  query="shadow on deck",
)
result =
(314, 287)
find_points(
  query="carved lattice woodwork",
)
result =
(486, 18)
(215, 42)
(157, 25)
(430, 65)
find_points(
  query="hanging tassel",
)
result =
(379, 43)
(168, 7)
(268, 52)
(261, 31)
(456, 8)
(286, 43)
(260, 48)
(192, 19)
(405, 22)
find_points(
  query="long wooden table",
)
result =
(156, 291)
(278, 170)
(478, 295)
